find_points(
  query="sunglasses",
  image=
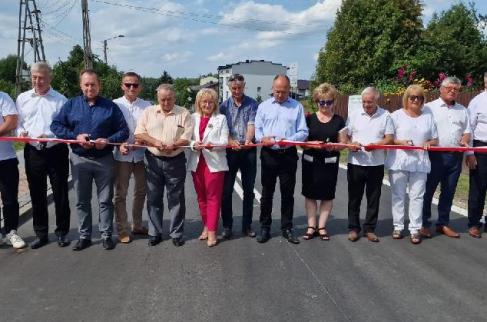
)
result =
(236, 77)
(128, 85)
(413, 98)
(326, 102)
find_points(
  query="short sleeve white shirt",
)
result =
(131, 112)
(452, 122)
(36, 113)
(477, 111)
(366, 129)
(7, 107)
(417, 129)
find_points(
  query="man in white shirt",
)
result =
(453, 127)
(130, 161)
(371, 125)
(9, 173)
(37, 108)
(477, 111)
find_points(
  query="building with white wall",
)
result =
(258, 75)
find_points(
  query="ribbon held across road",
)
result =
(281, 143)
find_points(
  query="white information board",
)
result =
(354, 103)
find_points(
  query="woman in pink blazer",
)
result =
(208, 164)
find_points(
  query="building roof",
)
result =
(248, 62)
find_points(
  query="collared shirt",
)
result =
(366, 129)
(131, 112)
(452, 122)
(417, 129)
(239, 117)
(168, 128)
(281, 120)
(36, 113)
(101, 120)
(477, 112)
(7, 107)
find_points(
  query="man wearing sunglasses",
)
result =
(240, 111)
(453, 125)
(279, 118)
(130, 161)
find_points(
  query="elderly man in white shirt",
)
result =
(130, 161)
(371, 125)
(453, 125)
(37, 108)
(410, 168)
(477, 111)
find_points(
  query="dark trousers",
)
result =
(283, 165)
(9, 189)
(445, 170)
(360, 178)
(246, 162)
(477, 187)
(40, 164)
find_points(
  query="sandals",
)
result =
(309, 236)
(325, 235)
(397, 234)
(415, 238)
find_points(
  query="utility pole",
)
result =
(105, 45)
(88, 55)
(30, 32)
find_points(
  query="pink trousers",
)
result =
(209, 189)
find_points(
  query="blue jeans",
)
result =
(246, 161)
(445, 170)
(85, 171)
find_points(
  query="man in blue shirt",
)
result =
(240, 112)
(279, 118)
(95, 121)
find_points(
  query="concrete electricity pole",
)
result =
(88, 55)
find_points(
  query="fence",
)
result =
(394, 102)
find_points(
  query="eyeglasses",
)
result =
(326, 102)
(452, 88)
(128, 85)
(413, 98)
(236, 77)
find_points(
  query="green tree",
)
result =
(452, 43)
(369, 40)
(8, 67)
(184, 95)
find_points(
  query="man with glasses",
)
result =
(279, 118)
(37, 108)
(452, 123)
(130, 161)
(477, 111)
(365, 170)
(240, 111)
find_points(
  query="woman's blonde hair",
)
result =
(407, 93)
(324, 89)
(204, 93)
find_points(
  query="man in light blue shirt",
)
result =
(279, 118)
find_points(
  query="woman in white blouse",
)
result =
(409, 168)
(208, 164)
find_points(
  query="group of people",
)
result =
(220, 139)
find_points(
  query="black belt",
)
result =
(163, 158)
(281, 150)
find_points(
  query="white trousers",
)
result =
(400, 181)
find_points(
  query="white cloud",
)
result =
(177, 57)
(220, 57)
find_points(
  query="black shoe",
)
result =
(265, 235)
(82, 244)
(154, 240)
(178, 241)
(62, 241)
(288, 234)
(39, 242)
(108, 243)
(248, 232)
(227, 233)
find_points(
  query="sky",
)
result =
(188, 38)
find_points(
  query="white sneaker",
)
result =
(15, 240)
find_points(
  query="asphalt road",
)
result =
(441, 279)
